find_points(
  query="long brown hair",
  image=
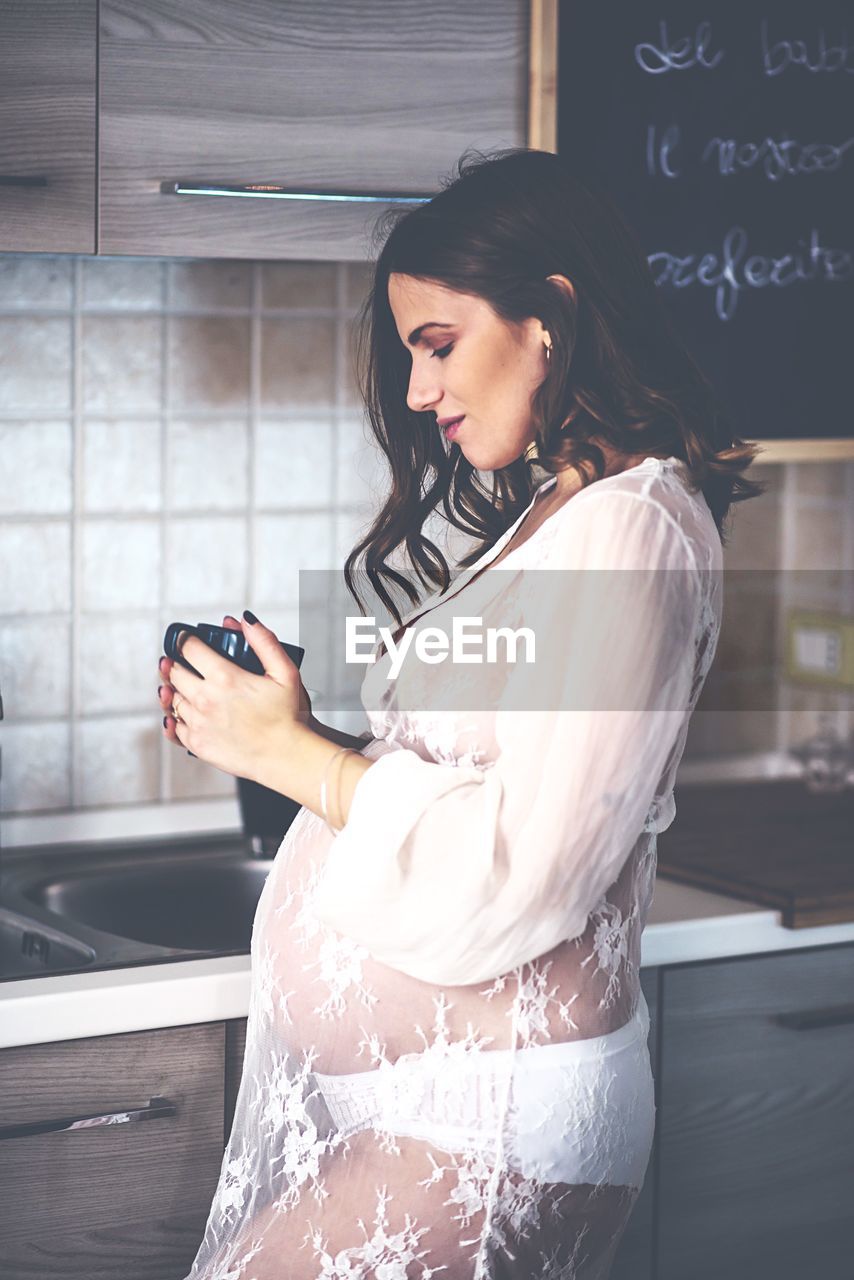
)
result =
(618, 371)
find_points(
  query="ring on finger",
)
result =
(176, 703)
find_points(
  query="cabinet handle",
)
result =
(832, 1015)
(272, 191)
(156, 1108)
(13, 180)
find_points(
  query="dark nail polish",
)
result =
(159, 690)
(250, 617)
(165, 721)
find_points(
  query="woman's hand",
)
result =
(229, 717)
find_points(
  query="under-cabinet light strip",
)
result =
(269, 191)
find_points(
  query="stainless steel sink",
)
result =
(196, 907)
(138, 902)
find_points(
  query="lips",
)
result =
(450, 426)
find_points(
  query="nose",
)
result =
(424, 391)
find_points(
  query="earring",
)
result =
(548, 347)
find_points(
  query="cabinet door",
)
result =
(633, 1260)
(47, 126)
(127, 1194)
(756, 1151)
(364, 98)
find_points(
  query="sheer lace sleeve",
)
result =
(456, 874)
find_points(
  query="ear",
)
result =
(564, 283)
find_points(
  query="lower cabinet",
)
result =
(110, 1151)
(756, 1128)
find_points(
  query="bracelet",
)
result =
(329, 763)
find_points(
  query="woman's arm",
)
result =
(455, 874)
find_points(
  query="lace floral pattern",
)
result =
(389, 1126)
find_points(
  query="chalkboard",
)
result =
(725, 133)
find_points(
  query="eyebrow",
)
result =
(415, 335)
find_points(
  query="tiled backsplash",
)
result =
(177, 439)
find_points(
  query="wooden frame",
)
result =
(804, 451)
(542, 76)
(542, 136)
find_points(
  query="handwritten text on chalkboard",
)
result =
(775, 57)
(729, 270)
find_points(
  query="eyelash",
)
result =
(445, 351)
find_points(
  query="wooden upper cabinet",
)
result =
(361, 97)
(47, 125)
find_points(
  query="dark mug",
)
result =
(265, 814)
(227, 643)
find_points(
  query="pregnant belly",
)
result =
(325, 991)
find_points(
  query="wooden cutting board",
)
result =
(771, 842)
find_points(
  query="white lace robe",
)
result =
(488, 892)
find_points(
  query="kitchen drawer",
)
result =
(756, 1127)
(47, 126)
(352, 97)
(121, 1198)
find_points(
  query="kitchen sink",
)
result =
(134, 902)
(196, 906)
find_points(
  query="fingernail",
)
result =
(165, 720)
(250, 617)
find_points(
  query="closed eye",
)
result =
(445, 351)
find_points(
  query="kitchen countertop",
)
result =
(685, 925)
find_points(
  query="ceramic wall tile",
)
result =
(35, 669)
(207, 464)
(121, 363)
(297, 363)
(294, 286)
(122, 284)
(209, 285)
(116, 760)
(35, 364)
(121, 465)
(118, 665)
(36, 467)
(35, 567)
(30, 281)
(208, 363)
(36, 767)
(121, 564)
(206, 561)
(284, 547)
(293, 463)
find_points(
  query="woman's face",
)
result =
(476, 365)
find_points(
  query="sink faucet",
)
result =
(825, 757)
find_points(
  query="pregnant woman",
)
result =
(446, 1068)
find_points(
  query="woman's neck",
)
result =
(569, 479)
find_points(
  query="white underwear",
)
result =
(579, 1110)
